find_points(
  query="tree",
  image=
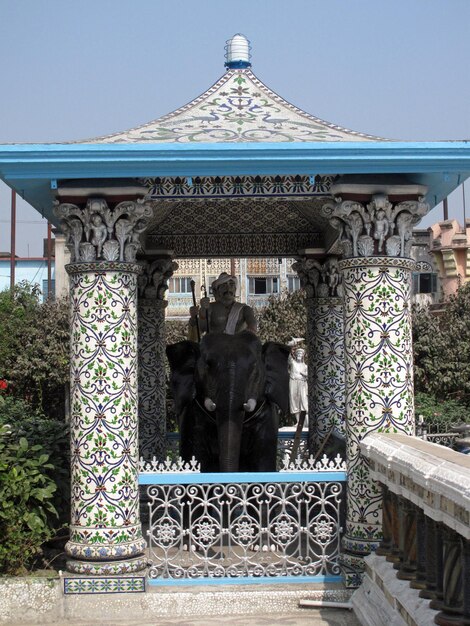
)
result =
(442, 349)
(284, 317)
(34, 348)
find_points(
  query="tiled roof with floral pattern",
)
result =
(237, 108)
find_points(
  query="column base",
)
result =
(352, 559)
(352, 569)
(444, 619)
(105, 544)
(107, 568)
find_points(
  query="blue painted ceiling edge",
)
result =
(31, 168)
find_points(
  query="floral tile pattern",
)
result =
(379, 378)
(152, 398)
(327, 397)
(131, 584)
(105, 521)
(237, 108)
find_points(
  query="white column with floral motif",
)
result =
(105, 533)
(378, 350)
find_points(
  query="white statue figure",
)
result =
(99, 233)
(381, 228)
(298, 399)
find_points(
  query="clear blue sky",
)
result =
(72, 70)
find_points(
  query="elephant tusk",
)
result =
(250, 405)
(210, 406)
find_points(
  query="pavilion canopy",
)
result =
(237, 135)
(237, 108)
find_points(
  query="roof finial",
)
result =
(237, 52)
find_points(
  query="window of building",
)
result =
(180, 284)
(210, 280)
(424, 283)
(293, 283)
(264, 285)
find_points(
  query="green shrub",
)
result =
(440, 415)
(441, 346)
(26, 494)
(53, 437)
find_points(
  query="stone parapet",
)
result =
(433, 477)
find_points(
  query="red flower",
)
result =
(3, 384)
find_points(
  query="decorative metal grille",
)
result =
(443, 439)
(248, 526)
(285, 443)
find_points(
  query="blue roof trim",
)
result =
(211, 159)
(29, 168)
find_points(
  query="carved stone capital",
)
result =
(153, 282)
(320, 280)
(98, 232)
(378, 228)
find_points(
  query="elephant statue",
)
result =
(228, 392)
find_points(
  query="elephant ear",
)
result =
(275, 357)
(182, 357)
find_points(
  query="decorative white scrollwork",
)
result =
(377, 228)
(169, 465)
(97, 232)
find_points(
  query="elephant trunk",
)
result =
(230, 424)
(229, 445)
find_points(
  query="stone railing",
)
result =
(426, 531)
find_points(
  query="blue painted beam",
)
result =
(122, 160)
(30, 168)
(194, 478)
(243, 580)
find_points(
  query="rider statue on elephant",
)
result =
(225, 315)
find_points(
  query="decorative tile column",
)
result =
(378, 349)
(325, 340)
(153, 283)
(105, 534)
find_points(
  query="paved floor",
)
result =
(308, 617)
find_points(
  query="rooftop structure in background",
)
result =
(450, 247)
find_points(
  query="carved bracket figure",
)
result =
(320, 280)
(98, 232)
(378, 228)
(153, 282)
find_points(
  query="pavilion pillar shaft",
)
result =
(325, 341)
(152, 393)
(105, 534)
(153, 283)
(376, 282)
(326, 398)
(379, 385)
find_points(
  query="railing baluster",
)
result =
(407, 566)
(420, 579)
(452, 604)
